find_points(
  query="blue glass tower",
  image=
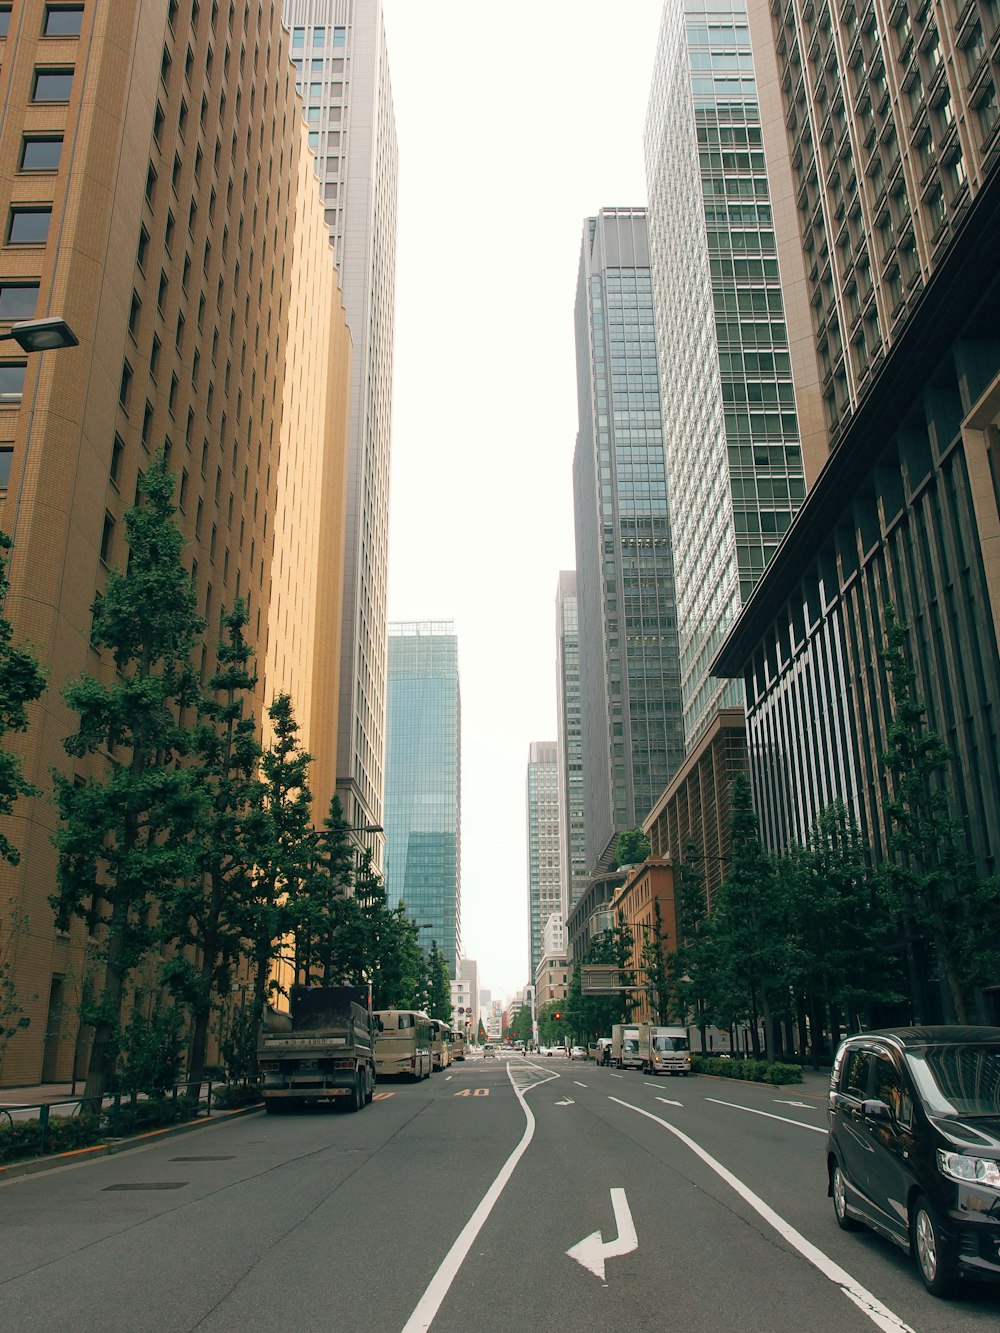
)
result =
(423, 781)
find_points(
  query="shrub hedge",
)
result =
(753, 1071)
(230, 1096)
(152, 1113)
(23, 1138)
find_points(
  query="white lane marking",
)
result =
(579, 1084)
(879, 1314)
(593, 1250)
(651, 1085)
(430, 1302)
(566, 1101)
(816, 1129)
(617, 1075)
(449, 1077)
(668, 1102)
(783, 1101)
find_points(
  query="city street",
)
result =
(455, 1204)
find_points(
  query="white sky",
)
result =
(515, 122)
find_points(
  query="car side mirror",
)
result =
(878, 1111)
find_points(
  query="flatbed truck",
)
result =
(321, 1050)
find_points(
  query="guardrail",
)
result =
(111, 1107)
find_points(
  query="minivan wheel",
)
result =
(931, 1249)
(839, 1187)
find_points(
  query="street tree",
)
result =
(750, 931)
(21, 683)
(438, 985)
(127, 831)
(205, 913)
(932, 877)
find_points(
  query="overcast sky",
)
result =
(515, 122)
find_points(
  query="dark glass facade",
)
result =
(423, 782)
(629, 667)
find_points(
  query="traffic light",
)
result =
(557, 1015)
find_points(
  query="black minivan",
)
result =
(913, 1149)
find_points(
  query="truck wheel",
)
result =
(356, 1099)
(270, 1106)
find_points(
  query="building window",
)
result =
(6, 450)
(40, 153)
(117, 452)
(11, 381)
(107, 538)
(18, 301)
(4, 20)
(125, 385)
(52, 85)
(63, 20)
(28, 226)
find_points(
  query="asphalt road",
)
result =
(695, 1204)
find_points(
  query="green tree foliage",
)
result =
(438, 985)
(152, 1049)
(271, 908)
(653, 955)
(126, 834)
(21, 683)
(13, 1019)
(481, 1032)
(932, 877)
(688, 966)
(205, 911)
(632, 847)
(841, 924)
(521, 1028)
(332, 935)
(552, 1030)
(749, 929)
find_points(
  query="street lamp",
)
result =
(41, 335)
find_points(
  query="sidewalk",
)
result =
(41, 1092)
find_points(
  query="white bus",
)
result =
(440, 1043)
(403, 1044)
(457, 1044)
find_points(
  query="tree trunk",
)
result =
(102, 1052)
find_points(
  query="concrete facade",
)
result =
(166, 248)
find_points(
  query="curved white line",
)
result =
(430, 1302)
(879, 1314)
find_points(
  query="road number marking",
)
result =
(472, 1092)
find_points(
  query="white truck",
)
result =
(664, 1050)
(625, 1046)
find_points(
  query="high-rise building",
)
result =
(542, 808)
(629, 673)
(572, 849)
(423, 807)
(159, 196)
(734, 463)
(339, 53)
(886, 120)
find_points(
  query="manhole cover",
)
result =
(148, 1185)
(229, 1158)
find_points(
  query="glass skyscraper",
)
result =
(572, 844)
(632, 736)
(342, 71)
(542, 807)
(423, 787)
(729, 424)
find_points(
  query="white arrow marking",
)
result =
(566, 1101)
(783, 1101)
(593, 1250)
(668, 1102)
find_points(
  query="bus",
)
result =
(440, 1043)
(457, 1042)
(403, 1044)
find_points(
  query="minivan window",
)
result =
(855, 1078)
(958, 1080)
(888, 1088)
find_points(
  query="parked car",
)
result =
(913, 1149)
(578, 1053)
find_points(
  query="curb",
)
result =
(80, 1156)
